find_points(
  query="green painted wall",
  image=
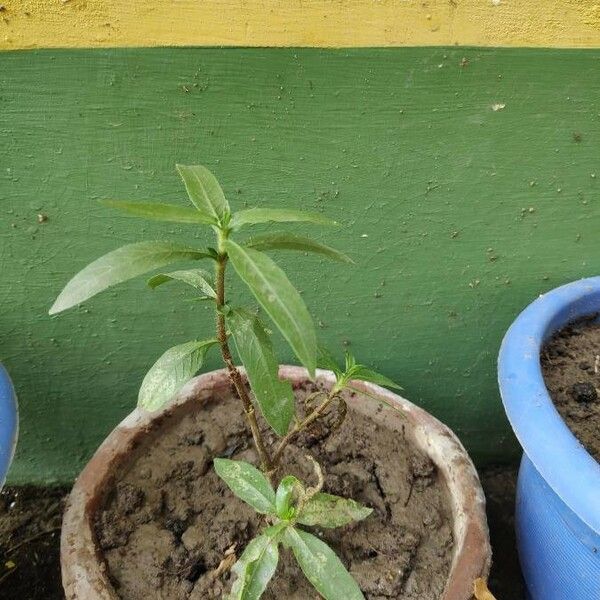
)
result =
(457, 214)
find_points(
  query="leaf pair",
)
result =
(290, 505)
(352, 371)
(204, 191)
(211, 206)
(318, 562)
(136, 259)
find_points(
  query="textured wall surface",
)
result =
(467, 181)
(323, 23)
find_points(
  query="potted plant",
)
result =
(352, 490)
(9, 423)
(548, 375)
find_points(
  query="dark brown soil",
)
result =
(41, 580)
(571, 367)
(30, 521)
(170, 527)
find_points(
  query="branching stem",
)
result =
(305, 423)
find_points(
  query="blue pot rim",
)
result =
(556, 453)
(9, 423)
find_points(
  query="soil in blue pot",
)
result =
(571, 368)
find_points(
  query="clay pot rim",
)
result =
(84, 571)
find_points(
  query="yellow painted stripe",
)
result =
(321, 23)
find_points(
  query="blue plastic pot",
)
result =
(558, 492)
(9, 423)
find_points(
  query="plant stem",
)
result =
(306, 422)
(268, 463)
(234, 375)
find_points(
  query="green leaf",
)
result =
(326, 360)
(361, 373)
(288, 493)
(171, 372)
(160, 212)
(350, 361)
(253, 216)
(257, 565)
(197, 278)
(289, 241)
(280, 300)
(118, 266)
(204, 191)
(247, 483)
(274, 396)
(331, 511)
(321, 566)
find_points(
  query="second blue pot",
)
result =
(8, 423)
(558, 492)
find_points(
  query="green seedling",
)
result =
(292, 505)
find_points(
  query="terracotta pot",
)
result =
(84, 572)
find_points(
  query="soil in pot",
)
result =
(571, 368)
(169, 528)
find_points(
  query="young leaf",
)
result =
(118, 266)
(361, 373)
(274, 396)
(280, 300)
(321, 566)
(253, 216)
(326, 360)
(161, 212)
(350, 361)
(247, 483)
(171, 371)
(204, 191)
(331, 511)
(287, 493)
(195, 277)
(257, 565)
(289, 241)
